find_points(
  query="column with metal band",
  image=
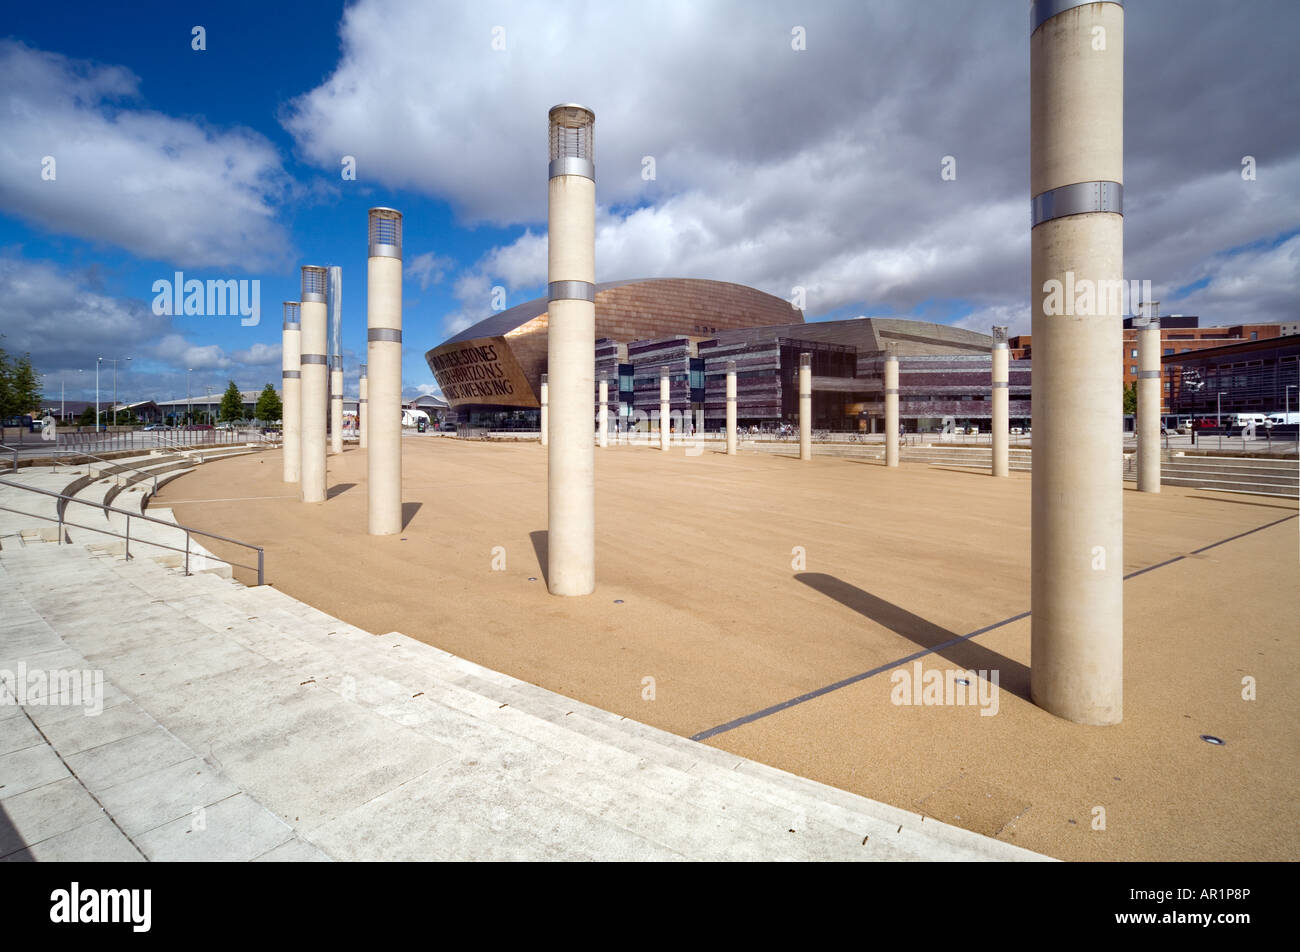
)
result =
(363, 410)
(665, 408)
(384, 362)
(544, 414)
(336, 405)
(1076, 75)
(334, 304)
(315, 383)
(570, 352)
(602, 413)
(891, 407)
(291, 393)
(1001, 403)
(731, 408)
(805, 406)
(1149, 396)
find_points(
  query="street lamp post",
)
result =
(1218, 410)
(113, 361)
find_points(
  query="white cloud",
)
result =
(818, 169)
(428, 268)
(166, 189)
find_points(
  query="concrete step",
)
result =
(382, 747)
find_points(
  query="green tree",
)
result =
(269, 406)
(232, 405)
(1131, 398)
(5, 397)
(20, 386)
(86, 417)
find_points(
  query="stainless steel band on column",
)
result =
(1077, 199)
(1044, 10)
(571, 291)
(313, 359)
(336, 362)
(363, 400)
(390, 334)
(1000, 345)
(290, 374)
(891, 390)
(292, 326)
(1149, 374)
(572, 165)
(1001, 384)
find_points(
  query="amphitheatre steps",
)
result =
(314, 738)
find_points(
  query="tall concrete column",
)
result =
(363, 410)
(384, 360)
(544, 424)
(805, 406)
(1001, 402)
(1076, 81)
(315, 383)
(334, 306)
(602, 414)
(336, 405)
(1148, 405)
(571, 351)
(891, 408)
(291, 394)
(731, 408)
(665, 409)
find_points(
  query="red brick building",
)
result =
(1179, 334)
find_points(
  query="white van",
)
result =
(1283, 419)
(1241, 419)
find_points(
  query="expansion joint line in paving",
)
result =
(819, 692)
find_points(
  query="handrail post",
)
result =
(187, 552)
(260, 577)
(128, 537)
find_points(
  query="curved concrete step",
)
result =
(428, 755)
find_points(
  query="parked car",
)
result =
(199, 426)
(157, 426)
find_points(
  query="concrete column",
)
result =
(363, 410)
(731, 408)
(544, 424)
(384, 360)
(665, 409)
(1001, 398)
(336, 405)
(315, 384)
(291, 394)
(891, 409)
(334, 306)
(1148, 406)
(1076, 80)
(602, 414)
(571, 352)
(805, 406)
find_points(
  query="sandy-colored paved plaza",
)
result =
(740, 584)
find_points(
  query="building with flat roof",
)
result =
(1254, 376)
(490, 373)
(1179, 334)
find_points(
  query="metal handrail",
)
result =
(65, 499)
(111, 462)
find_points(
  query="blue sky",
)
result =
(775, 167)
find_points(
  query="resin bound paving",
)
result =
(768, 607)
